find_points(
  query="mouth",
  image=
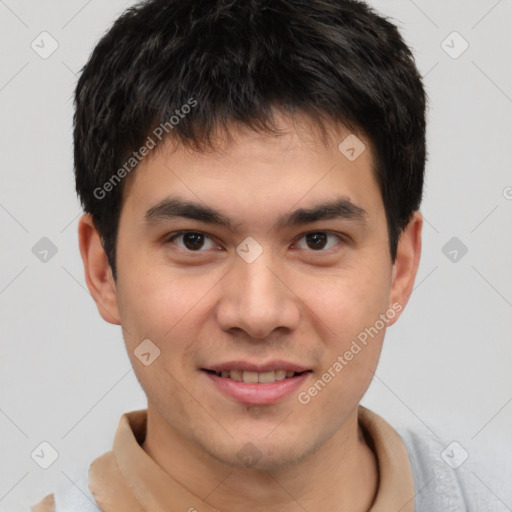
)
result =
(251, 384)
(251, 377)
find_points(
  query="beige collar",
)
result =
(126, 479)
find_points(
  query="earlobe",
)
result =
(98, 274)
(407, 262)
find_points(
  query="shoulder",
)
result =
(443, 478)
(47, 504)
(72, 497)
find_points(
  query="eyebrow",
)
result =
(172, 208)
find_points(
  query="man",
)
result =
(251, 174)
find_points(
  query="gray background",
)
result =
(65, 377)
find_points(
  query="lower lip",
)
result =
(257, 394)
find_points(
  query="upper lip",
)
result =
(276, 364)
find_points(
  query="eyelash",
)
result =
(342, 238)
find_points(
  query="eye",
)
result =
(318, 240)
(192, 240)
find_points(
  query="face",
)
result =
(269, 322)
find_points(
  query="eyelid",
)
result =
(170, 238)
(343, 239)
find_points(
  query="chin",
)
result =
(260, 454)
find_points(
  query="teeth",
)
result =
(250, 377)
(267, 377)
(236, 375)
(254, 377)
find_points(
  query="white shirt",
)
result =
(414, 476)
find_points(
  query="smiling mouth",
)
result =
(256, 377)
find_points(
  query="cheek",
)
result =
(348, 308)
(350, 301)
(163, 309)
(162, 306)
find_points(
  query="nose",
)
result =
(257, 299)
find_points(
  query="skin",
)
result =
(294, 302)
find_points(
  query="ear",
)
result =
(98, 274)
(406, 263)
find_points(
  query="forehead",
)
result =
(300, 166)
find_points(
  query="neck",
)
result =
(340, 475)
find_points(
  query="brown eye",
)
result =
(192, 241)
(316, 240)
(319, 241)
